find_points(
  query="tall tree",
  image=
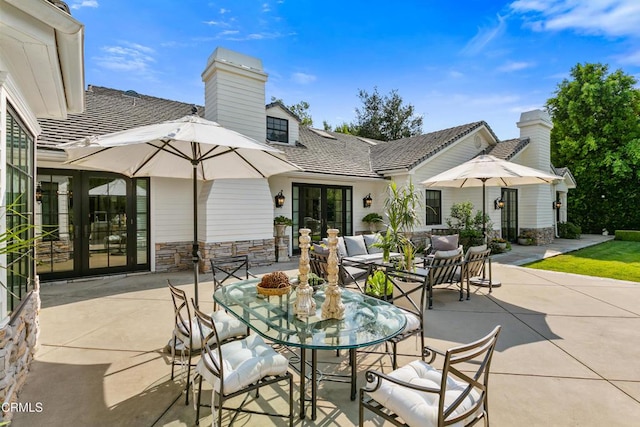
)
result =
(301, 109)
(597, 135)
(385, 117)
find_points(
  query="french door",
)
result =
(319, 207)
(509, 220)
(91, 223)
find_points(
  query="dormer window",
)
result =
(277, 129)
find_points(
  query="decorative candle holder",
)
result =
(332, 308)
(304, 304)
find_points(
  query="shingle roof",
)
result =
(110, 110)
(505, 150)
(407, 153)
(341, 154)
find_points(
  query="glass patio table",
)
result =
(367, 321)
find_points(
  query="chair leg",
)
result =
(186, 402)
(290, 400)
(173, 355)
(198, 405)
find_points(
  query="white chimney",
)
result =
(234, 92)
(536, 125)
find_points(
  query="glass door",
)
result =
(91, 223)
(319, 207)
(509, 220)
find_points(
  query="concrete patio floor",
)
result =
(567, 354)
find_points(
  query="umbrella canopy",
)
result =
(489, 170)
(210, 151)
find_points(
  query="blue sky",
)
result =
(455, 61)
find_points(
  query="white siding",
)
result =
(237, 209)
(171, 210)
(458, 153)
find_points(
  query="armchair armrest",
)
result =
(432, 352)
(374, 377)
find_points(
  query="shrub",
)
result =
(628, 235)
(569, 230)
(283, 220)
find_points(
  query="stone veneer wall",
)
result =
(18, 343)
(541, 236)
(176, 256)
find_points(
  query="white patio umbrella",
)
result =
(210, 150)
(486, 170)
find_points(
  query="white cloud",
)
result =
(223, 11)
(455, 74)
(130, 57)
(303, 78)
(630, 58)
(515, 66)
(612, 18)
(485, 36)
(84, 3)
(266, 8)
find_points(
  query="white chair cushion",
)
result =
(245, 361)
(413, 321)
(420, 409)
(227, 326)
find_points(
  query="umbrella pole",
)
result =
(195, 249)
(484, 211)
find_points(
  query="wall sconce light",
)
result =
(279, 199)
(498, 203)
(557, 204)
(367, 201)
(39, 193)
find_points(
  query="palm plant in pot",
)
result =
(401, 211)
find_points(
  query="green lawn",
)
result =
(614, 259)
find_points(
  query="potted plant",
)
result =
(378, 285)
(526, 238)
(499, 243)
(401, 210)
(372, 219)
(281, 222)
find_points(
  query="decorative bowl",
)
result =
(273, 291)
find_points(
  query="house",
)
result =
(236, 216)
(41, 76)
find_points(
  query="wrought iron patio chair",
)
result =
(229, 267)
(182, 333)
(418, 394)
(474, 266)
(235, 368)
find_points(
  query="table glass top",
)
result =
(367, 320)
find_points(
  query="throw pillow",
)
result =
(355, 245)
(342, 249)
(369, 240)
(444, 243)
(320, 249)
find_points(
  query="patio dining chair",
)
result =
(186, 336)
(418, 394)
(182, 339)
(235, 368)
(227, 268)
(474, 266)
(348, 276)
